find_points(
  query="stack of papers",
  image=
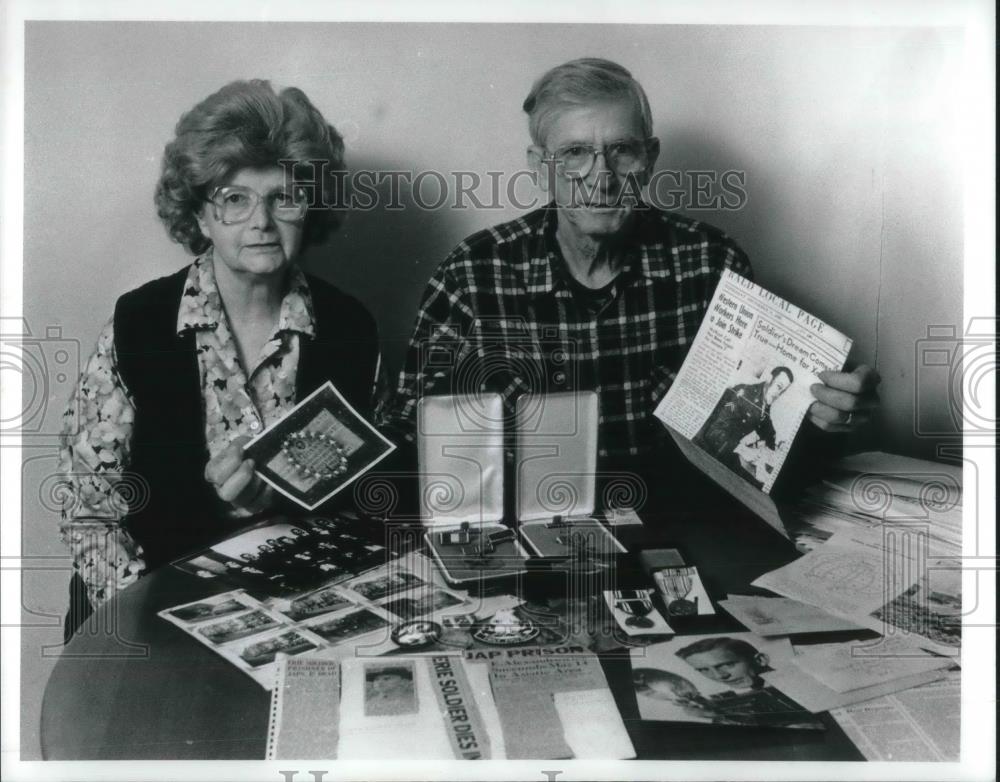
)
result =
(906, 513)
(769, 616)
(881, 538)
(829, 676)
(880, 578)
(873, 489)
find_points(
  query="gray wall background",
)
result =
(847, 137)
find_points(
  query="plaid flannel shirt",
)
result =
(500, 315)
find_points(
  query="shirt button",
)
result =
(254, 425)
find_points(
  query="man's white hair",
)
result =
(579, 83)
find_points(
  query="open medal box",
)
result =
(479, 527)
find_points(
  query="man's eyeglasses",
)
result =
(575, 161)
(235, 204)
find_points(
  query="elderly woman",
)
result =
(192, 365)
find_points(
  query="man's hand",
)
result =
(234, 480)
(844, 400)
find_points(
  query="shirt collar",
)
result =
(201, 304)
(541, 276)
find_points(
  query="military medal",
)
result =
(675, 585)
(637, 605)
(315, 455)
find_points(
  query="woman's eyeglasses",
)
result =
(235, 204)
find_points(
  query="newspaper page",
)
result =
(769, 616)
(920, 724)
(394, 708)
(850, 575)
(880, 578)
(305, 709)
(745, 385)
(377, 707)
(555, 702)
(815, 696)
(853, 665)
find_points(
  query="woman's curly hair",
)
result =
(247, 124)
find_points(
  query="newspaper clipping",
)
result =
(745, 386)
(918, 724)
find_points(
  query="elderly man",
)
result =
(596, 290)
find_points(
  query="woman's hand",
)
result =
(232, 475)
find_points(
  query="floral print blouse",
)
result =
(95, 454)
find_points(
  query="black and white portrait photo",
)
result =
(393, 334)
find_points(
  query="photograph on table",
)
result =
(346, 627)
(282, 557)
(237, 627)
(204, 567)
(375, 587)
(716, 679)
(263, 651)
(249, 640)
(322, 601)
(203, 611)
(390, 689)
(316, 450)
(930, 611)
(214, 607)
(426, 600)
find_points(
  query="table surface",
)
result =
(130, 685)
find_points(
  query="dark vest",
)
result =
(177, 509)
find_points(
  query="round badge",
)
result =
(315, 455)
(682, 607)
(411, 635)
(506, 629)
